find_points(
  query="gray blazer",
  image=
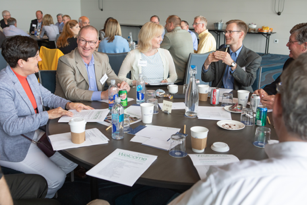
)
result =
(17, 115)
(72, 80)
(244, 76)
(180, 44)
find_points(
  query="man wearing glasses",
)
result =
(297, 45)
(82, 73)
(234, 67)
(207, 42)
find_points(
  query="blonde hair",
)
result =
(47, 20)
(112, 29)
(148, 31)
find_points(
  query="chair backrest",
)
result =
(3, 63)
(50, 58)
(116, 60)
(48, 79)
(256, 85)
(197, 60)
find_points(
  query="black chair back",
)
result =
(116, 60)
(48, 79)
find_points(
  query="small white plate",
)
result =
(230, 125)
(227, 109)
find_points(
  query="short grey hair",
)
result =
(301, 32)
(59, 15)
(11, 21)
(90, 27)
(4, 12)
(294, 96)
(202, 19)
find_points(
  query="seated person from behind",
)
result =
(256, 182)
(80, 72)
(235, 69)
(49, 28)
(12, 30)
(113, 42)
(68, 38)
(297, 45)
(160, 65)
(21, 113)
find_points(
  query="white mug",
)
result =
(173, 89)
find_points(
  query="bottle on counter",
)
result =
(191, 95)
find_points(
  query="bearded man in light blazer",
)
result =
(82, 73)
(235, 68)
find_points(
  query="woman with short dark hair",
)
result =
(22, 114)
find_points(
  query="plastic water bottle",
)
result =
(35, 32)
(140, 90)
(191, 95)
(131, 42)
(112, 93)
(117, 113)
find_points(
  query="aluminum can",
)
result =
(215, 96)
(255, 102)
(261, 115)
(123, 97)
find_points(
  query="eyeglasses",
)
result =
(90, 43)
(195, 24)
(278, 87)
(292, 42)
(229, 32)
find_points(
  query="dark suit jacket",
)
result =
(244, 76)
(271, 88)
(34, 21)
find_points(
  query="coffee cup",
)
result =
(77, 129)
(203, 91)
(199, 138)
(243, 96)
(173, 89)
(147, 112)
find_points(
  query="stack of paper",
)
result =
(202, 162)
(175, 105)
(97, 115)
(155, 136)
(122, 166)
(134, 110)
(63, 141)
(213, 113)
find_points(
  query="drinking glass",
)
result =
(227, 99)
(156, 106)
(262, 136)
(126, 123)
(247, 117)
(150, 94)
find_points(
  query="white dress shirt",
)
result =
(13, 31)
(280, 179)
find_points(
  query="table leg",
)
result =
(94, 188)
(267, 44)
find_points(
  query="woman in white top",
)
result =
(49, 28)
(160, 65)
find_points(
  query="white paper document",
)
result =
(107, 101)
(155, 136)
(175, 106)
(213, 113)
(202, 162)
(63, 141)
(122, 166)
(96, 115)
(134, 110)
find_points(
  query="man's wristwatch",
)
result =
(233, 64)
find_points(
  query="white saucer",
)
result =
(220, 147)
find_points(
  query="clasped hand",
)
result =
(217, 56)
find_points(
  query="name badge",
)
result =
(142, 63)
(243, 68)
(167, 106)
(33, 25)
(103, 79)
